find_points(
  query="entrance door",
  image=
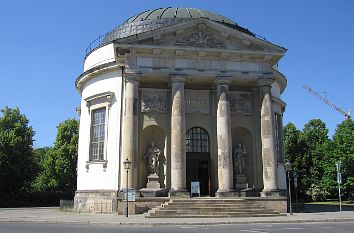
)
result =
(198, 159)
(198, 170)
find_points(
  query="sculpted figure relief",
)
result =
(152, 157)
(239, 158)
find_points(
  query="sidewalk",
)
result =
(54, 215)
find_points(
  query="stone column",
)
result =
(269, 158)
(178, 142)
(224, 141)
(130, 131)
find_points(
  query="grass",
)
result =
(344, 203)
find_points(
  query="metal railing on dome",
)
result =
(94, 44)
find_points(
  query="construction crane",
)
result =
(324, 99)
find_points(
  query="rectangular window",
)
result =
(98, 122)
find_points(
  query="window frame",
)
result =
(92, 125)
(202, 144)
(93, 103)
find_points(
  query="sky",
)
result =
(43, 42)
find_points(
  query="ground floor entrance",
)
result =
(198, 169)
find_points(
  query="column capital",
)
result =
(265, 82)
(131, 76)
(222, 80)
(177, 78)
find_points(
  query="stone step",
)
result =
(210, 208)
(194, 200)
(217, 212)
(231, 215)
(183, 205)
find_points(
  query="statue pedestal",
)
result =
(153, 182)
(153, 188)
(241, 182)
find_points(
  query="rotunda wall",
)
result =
(100, 56)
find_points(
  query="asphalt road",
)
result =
(343, 227)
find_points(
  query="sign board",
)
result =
(195, 188)
(131, 195)
(339, 165)
(339, 178)
(295, 181)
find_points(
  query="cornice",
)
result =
(280, 103)
(280, 79)
(94, 72)
(224, 53)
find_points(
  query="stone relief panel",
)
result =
(197, 101)
(240, 103)
(154, 100)
(201, 40)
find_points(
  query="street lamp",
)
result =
(127, 164)
(288, 169)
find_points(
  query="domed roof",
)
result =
(178, 12)
(160, 18)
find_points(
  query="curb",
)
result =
(178, 224)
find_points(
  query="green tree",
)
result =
(294, 148)
(17, 166)
(343, 149)
(59, 162)
(40, 157)
(315, 134)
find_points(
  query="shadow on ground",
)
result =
(315, 208)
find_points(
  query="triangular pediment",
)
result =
(203, 34)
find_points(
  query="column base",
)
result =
(226, 193)
(178, 193)
(271, 193)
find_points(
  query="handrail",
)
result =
(96, 43)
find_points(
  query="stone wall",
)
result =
(95, 201)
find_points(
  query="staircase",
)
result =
(210, 208)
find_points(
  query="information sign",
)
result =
(195, 188)
(131, 195)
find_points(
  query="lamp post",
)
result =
(126, 165)
(339, 181)
(295, 175)
(288, 169)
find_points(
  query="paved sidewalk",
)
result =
(54, 215)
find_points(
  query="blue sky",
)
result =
(43, 45)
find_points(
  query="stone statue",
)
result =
(239, 158)
(152, 157)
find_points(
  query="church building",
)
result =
(185, 95)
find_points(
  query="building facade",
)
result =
(185, 95)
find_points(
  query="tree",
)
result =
(315, 134)
(17, 166)
(343, 149)
(59, 164)
(294, 148)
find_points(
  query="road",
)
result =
(344, 227)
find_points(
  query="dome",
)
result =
(160, 18)
(164, 17)
(178, 12)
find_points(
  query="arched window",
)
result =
(197, 140)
